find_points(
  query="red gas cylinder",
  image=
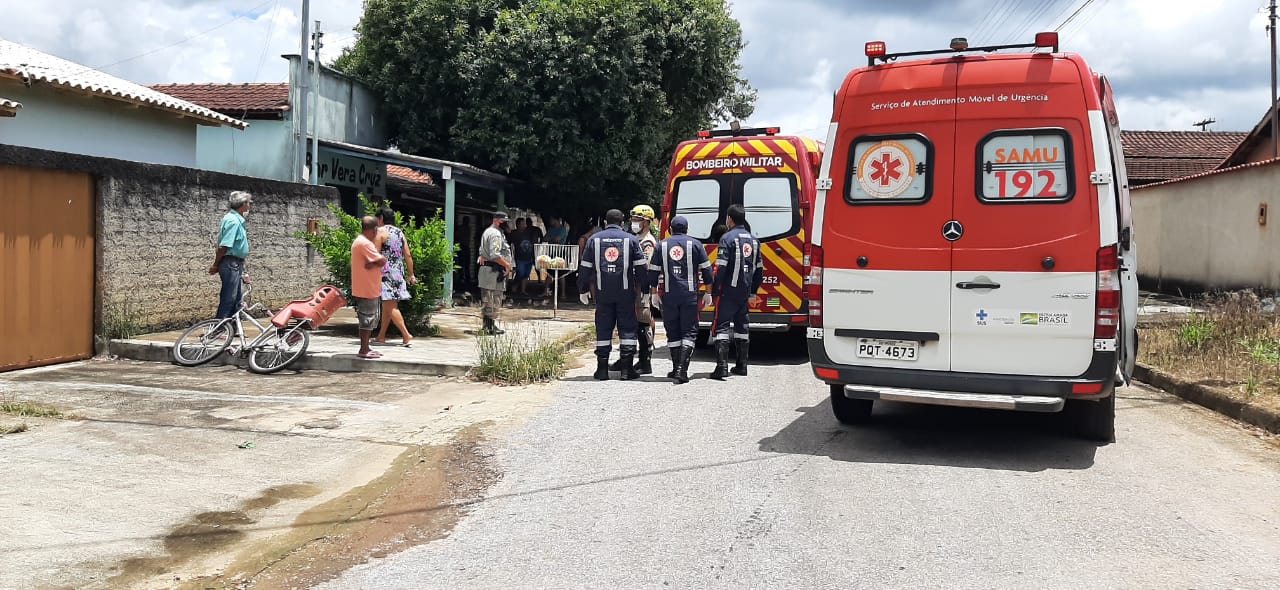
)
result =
(326, 301)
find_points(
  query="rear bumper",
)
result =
(923, 384)
(762, 322)
(1023, 403)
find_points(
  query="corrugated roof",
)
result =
(236, 100)
(24, 63)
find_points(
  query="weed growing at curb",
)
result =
(1234, 344)
(29, 410)
(121, 320)
(520, 357)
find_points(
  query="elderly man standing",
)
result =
(229, 256)
(366, 283)
(495, 267)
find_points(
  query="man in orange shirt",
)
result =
(366, 283)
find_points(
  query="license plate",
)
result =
(895, 350)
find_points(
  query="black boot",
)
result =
(645, 366)
(602, 369)
(616, 366)
(686, 355)
(675, 362)
(722, 360)
(740, 366)
(628, 369)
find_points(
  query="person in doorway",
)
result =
(366, 283)
(397, 275)
(496, 266)
(230, 254)
(526, 238)
(613, 268)
(739, 276)
(681, 261)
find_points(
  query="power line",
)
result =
(1032, 15)
(1002, 8)
(271, 31)
(1081, 24)
(1073, 15)
(1033, 26)
(171, 46)
(990, 37)
(984, 21)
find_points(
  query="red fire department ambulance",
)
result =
(973, 236)
(772, 177)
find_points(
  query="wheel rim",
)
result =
(204, 342)
(280, 350)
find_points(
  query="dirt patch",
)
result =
(205, 534)
(419, 499)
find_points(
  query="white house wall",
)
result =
(75, 123)
(1205, 232)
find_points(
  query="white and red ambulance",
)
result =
(973, 237)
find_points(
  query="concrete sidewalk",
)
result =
(333, 347)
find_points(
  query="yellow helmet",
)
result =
(644, 211)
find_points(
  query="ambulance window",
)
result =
(1025, 166)
(770, 205)
(698, 200)
(893, 169)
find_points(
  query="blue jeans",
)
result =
(231, 271)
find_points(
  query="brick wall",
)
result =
(157, 227)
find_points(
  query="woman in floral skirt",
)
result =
(397, 274)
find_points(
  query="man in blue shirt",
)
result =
(613, 269)
(232, 250)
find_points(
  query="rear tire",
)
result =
(203, 342)
(849, 411)
(280, 351)
(1094, 419)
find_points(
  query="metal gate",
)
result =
(47, 252)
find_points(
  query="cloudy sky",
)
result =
(1172, 62)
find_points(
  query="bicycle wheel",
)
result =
(202, 342)
(279, 350)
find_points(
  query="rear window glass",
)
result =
(1025, 166)
(890, 169)
(698, 200)
(769, 202)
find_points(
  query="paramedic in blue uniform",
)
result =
(682, 260)
(613, 270)
(739, 275)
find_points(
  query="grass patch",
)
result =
(121, 320)
(520, 357)
(1233, 344)
(15, 429)
(29, 410)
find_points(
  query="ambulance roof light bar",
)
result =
(740, 132)
(876, 50)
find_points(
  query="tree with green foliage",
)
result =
(432, 257)
(584, 100)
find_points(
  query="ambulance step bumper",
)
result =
(1021, 403)
(755, 327)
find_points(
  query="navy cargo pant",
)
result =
(731, 318)
(619, 314)
(680, 319)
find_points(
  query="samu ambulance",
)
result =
(772, 177)
(973, 236)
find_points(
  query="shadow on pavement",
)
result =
(913, 434)
(768, 349)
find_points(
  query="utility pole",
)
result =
(300, 159)
(1275, 125)
(1204, 125)
(315, 108)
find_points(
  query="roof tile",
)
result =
(240, 100)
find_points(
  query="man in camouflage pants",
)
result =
(495, 268)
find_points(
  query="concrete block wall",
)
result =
(157, 227)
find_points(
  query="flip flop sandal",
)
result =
(370, 355)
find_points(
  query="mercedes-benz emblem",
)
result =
(952, 230)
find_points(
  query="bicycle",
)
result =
(276, 347)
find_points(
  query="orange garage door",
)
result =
(46, 267)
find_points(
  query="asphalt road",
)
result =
(752, 484)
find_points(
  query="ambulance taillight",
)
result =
(813, 283)
(1107, 300)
